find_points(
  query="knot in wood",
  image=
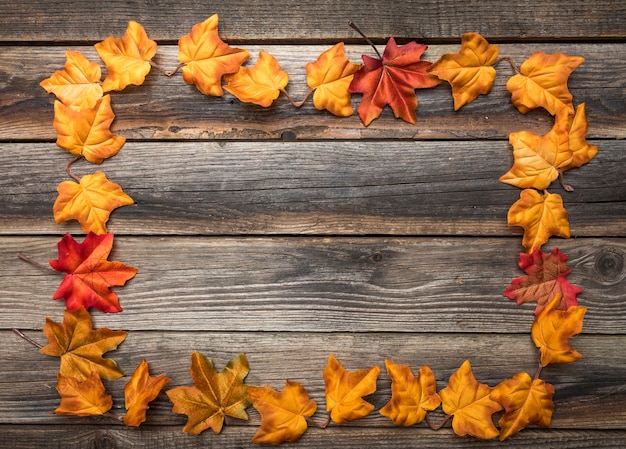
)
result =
(610, 265)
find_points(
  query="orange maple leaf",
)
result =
(207, 58)
(87, 132)
(213, 396)
(542, 82)
(127, 59)
(470, 71)
(392, 81)
(411, 396)
(283, 414)
(582, 151)
(525, 401)
(541, 216)
(78, 84)
(260, 84)
(141, 389)
(469, 403)
(82, 398)
(344, 391)
(552, 330)
(90, 202)
(330, 75)
(80, 347)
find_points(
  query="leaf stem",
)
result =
(566, 187)
(538, 372)
(367, 39)
(25, 258)
(68, 168)
(114, 416)
(311, 422)
(510, 61)
(27, 338)
(163, 71)
(446, 418)
(294, 103)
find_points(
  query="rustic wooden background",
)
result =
(292, 234)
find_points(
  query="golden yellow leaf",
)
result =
(86, 397)
(141, 389)
(582, 151)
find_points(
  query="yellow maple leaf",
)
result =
(127, 58)
(582, 151)
(207, 58)
(90, 202)
(541, 216)
(141, 389)
(260, 84)
(78, 84)
(330, 75)
(86, 397)
(470, 72)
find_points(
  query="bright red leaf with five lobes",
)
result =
(89, 275)
(392, 81)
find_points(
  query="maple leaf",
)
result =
(82, 398)
(552, 330)
(80, 347)
(469, 403)
(582, 151)
(330, 75)
(525, 401)
(213, 396)
(542, 82)
(260, 84)
(127, 59)
(77, 85)
(90, 202)
(392, 81)
(283, 414)
(344, 391)
(470, 72)
(411, 396)
(141, 389)
(207, 58)
(541, 216)
(87, 132)
(546, 276)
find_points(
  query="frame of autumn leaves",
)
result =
(82, 120)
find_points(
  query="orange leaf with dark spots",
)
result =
(141, 389)
(86, 397)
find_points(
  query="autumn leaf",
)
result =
(541, 216)
(582, 151)
(213, 396)
(90, 202)
(207, 58)
(552, 330)
(127, 59)
(345, 391)
(469, 403)
(470, 71)
(141, 389)
(525, 401)
(78, 84)
(283, 414)
(82, 398)
(542, 82)
(330, 75)
(392, 81)
(80, 347)
(411, 396)
(87, 132)
(546, 276)
(260, 84)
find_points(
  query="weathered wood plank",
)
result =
(179, 111)
(32, 20)
(319, 285)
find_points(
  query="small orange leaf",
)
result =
(82, 398)
(77, 85)
(90, 202)
(283, 414)
(259, 84)
(470, 72)
(582, 151)
(552, 330)
(541, 216)
(411, 396)
(141, 389)
(330, 75)
(207, 58)
(127, 58)
(87, 132)
(344, 391)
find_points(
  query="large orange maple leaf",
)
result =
(141, 389)
(86, 397)
(392, 81)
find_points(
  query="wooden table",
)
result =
(292, 234)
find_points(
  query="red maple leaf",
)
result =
(546, 277)
(89, 275)
(392, 81)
